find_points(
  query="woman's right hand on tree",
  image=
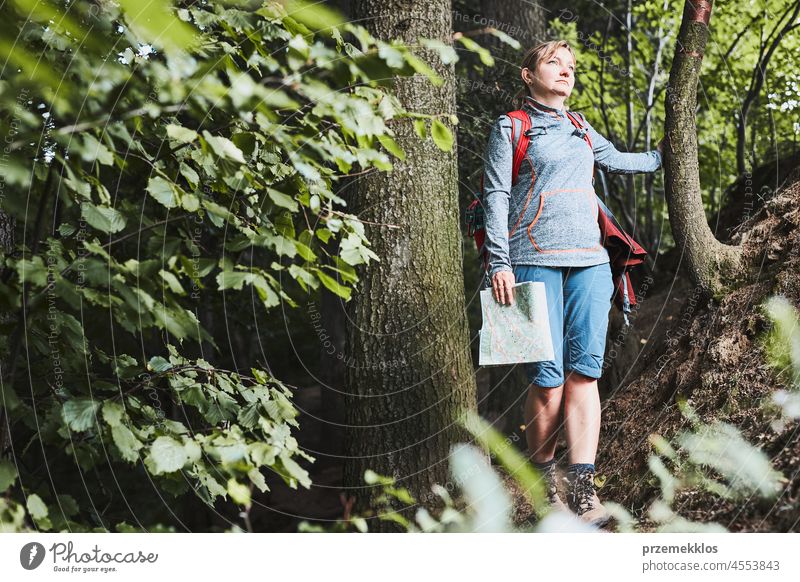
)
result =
(503, 287)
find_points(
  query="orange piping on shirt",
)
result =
(528, 200)
(536, 218)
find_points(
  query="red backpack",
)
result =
(623, 251)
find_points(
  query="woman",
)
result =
(544, 228)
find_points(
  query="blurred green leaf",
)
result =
(442, 136)
(79, 413)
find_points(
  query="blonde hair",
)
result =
(535, 55)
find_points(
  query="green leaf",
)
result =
(93, 150)
(218, 214)
(158, 364)
(190, 174)
(353, 251)
(483, 54)
(305, 251)
(303, 277)
(422, 67)
(295, 470)
(315, 15)
(8, 475)
(154, 21)
(126, 442)
(167, 455)
(163, 191)
(223, 147)
(262, 453)
(233, 279)
(181, 134)
(333, 285)
(103, 218)
(172, 282)
(373, 478)
(190, 202)
(212, 485)
(33, 271)
(257, 478)
(79, 413)
(282, 200)
(37, 507)
(112, 413)
(442, 136)
(193, 450)
(447, 53)
(509, 457)
(391, 56)
(277, 99)
(509, 40)
(421, 128)
(239, 493)
(265, 292)
(392, 147)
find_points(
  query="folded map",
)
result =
(516, 333)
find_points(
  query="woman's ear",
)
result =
(527, 76)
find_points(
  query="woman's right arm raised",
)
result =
(498, 160)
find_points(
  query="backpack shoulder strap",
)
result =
(579, 121)
(520, 124)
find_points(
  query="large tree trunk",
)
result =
(713, 266)
(410, 370)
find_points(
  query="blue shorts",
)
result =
(578, 302)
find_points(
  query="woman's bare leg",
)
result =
(581, 417)
(542, 411)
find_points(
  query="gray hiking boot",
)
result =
(551, 489)
(582, 499)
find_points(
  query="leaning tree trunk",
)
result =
(409, 369)
(713, 266)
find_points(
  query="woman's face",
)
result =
(555, 75)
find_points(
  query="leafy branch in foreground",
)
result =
(185, 176)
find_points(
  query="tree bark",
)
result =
(713, 266)
(524, 21)
(409, 370)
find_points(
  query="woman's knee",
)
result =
(546, 395)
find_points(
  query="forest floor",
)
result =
(713, 356)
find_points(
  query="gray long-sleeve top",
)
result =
(549, 216)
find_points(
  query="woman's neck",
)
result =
(553, 101)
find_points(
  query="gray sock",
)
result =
(577, 468)
(543, 467)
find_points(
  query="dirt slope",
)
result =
(710, 354)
